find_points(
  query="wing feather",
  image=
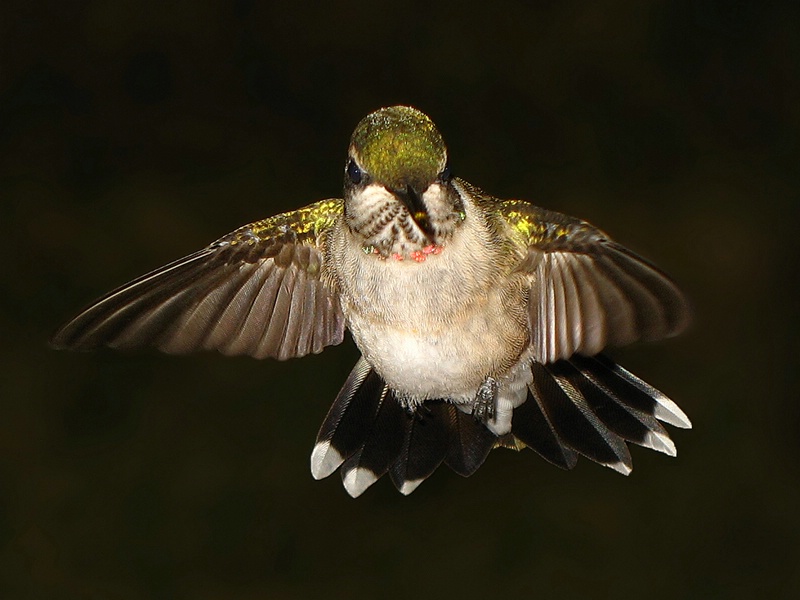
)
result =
(588, 292)
(234, 316)
(256, 291)
(591, 331)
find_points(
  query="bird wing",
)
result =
(587, 291)
(256, 291)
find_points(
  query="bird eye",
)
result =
(353, 172)
(446, 174)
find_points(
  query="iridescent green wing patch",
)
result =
(547, 230)
(262, 239)
(255, 291)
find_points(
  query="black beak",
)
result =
(413, 201)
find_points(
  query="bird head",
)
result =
(399, 198)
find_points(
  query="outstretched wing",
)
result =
(588, 292)
(256, 291)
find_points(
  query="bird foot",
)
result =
(414, 408)
(483, 408)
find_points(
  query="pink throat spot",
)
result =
(420, 255)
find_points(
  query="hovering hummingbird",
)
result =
(480, 321)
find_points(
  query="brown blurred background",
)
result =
(134, 132)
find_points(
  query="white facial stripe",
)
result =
(372, 200)
(375, 195)
(435, 202)
(432, 194)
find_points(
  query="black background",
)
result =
(134, 132)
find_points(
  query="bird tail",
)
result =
(592, 406)
(588, 406)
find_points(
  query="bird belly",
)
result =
(448, 365)
(432, 354)
(426, 366)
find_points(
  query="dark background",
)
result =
(134, 132)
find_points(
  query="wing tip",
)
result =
(58, 341)
(68, 337)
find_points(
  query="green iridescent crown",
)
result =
(399, 145)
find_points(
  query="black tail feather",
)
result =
(342, 431)
(574, 420)
(588, 406)
(531, 426)
(469, 443)
(383, 441)
(631, 424)
(634, 392)
(425, 446)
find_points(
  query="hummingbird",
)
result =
(481, 322)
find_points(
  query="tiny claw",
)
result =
(418, 256)
(483, 408)
(397, 256)
(409, 407)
